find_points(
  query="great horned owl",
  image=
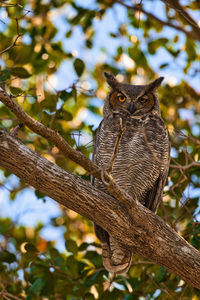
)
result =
(141, 165)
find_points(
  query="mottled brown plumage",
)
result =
(142, 161)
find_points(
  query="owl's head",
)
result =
(135, 100)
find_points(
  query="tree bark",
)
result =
(138, 229)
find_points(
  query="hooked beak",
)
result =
(131, 108)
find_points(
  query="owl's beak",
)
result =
(132, 108)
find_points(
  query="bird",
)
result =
(141, 162)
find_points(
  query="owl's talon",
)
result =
(103, 173)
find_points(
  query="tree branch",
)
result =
(191, 34)
(192, 164)
(184, 14)
(137, 229)
(15, 40)
(76, 156)
(51, 135)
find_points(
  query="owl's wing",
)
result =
(100, 232)
(154, 195)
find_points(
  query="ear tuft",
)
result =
(159, 81)
(152, 87)
(111, 80)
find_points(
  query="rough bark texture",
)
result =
(137, 228)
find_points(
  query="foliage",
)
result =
(81, 41)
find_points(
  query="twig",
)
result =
(113, 157)
(15, 41)
(7, 295)
(183, 292)
(140, 5)
(184, 14)
(14, 131)
(188, 137)
(190, 34)
(142, 262)
(166, 216)
(17, 24)
(159, 287)
(193, 164)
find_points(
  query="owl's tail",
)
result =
(116, 259)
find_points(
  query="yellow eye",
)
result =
(121, 98)
(143, 100)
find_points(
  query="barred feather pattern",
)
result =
(140, 167)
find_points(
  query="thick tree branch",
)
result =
(51, 135)
(137, 228)
(76, 156)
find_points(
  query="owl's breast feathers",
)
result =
(141, 164)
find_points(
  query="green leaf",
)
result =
(59, 261)
(94, 258)
(39, 194)
(8, 257)
(164, 66)
(68, 33)
(15, 90)
(20, 72)
(5, 74)
(190, 48)
(160, 275)
(64, 115)
(71, 246)
(64, 95)
(74, 93)
(155, 44)
(79, 66)
(38, 285)
(30, 248)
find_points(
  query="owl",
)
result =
(141, 165)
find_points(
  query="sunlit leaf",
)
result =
(20, 72)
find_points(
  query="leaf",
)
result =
(155, 44)
(59, 261)
(64, 95)
(71, 246)
(29, 247)
(164, 66)
(83, 246)
(39, 194)
(136, 271)
(64, 115)
(38, 285)
(5, 74)
(20, 72)
(74, 93)
(68, 33)
(8, 257)
(15, 90)
(79, 66)
(160, 274)
(94, 258)
(190, 48)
